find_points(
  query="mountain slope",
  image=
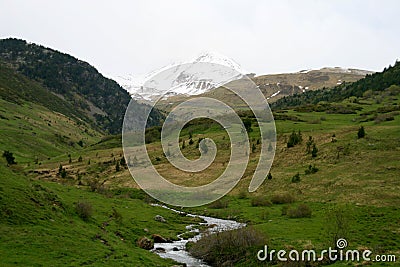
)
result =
(275, 86)
(372, 82)
(93, 96)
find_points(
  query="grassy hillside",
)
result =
(40, 225)
(36, 124)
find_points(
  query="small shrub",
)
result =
(63, 173)
(260, 201)
(294, 139)
(361, 132)
(227, 247)
(282, 198)
(296, 178)
(309, 144)
(84, 210)
(311, 169)
(221, 203)
(301, 211)
(191, 142)
(314, 151)
(94, 185)
(117, 167)
(80, 159)
(269, 176)
(9, 157)
(242, 194)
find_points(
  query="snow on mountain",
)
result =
(191, 78)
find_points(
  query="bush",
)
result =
(311, 169)
(63, 173)
(301, 211)
(221, 203)
(84, 210)
(260, 201)
(294, 139)
(9, 157)
(296, 178)
(314, 151)
(221, 248)
(282, 198)
(242, 194)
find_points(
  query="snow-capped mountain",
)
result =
(204, 73)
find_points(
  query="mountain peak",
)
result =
(181, 78)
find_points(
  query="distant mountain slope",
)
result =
(275, 86)
(93, 96)
(372, 82)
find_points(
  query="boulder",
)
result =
(159, 250)
(145, 243)
(159, 218)
(158, 239)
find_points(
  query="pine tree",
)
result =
(361, 132)
(117, 167)
(314, 151)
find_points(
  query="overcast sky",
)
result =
(136, 37)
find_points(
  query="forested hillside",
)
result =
(93, 96)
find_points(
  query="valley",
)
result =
(69, 199)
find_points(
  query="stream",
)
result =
(176, 249)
